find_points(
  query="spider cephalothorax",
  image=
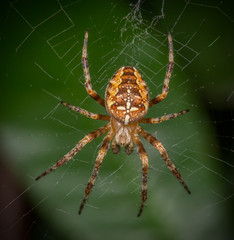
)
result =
(127, 101)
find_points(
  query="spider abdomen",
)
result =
(127, 97)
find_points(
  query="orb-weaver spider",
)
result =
(126, 101)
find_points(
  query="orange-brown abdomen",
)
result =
(127, 97)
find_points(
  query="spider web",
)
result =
(41, 45)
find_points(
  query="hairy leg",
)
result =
(145, 167)
(86, 113)
(88, 138)
(101, 154)
(158, 145)
(92, 93)
(165, 89)
(163, 118)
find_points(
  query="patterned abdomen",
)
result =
(127, 97)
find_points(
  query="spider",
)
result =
(126, 101)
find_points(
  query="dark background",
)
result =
(35, 60)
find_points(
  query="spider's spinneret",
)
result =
(127, 97)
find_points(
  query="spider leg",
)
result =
(158, 145)
(162, 118)
(86, 113)
(88, 138)
(164, 93)
(145, 167)
(101, 154)
(92, 93)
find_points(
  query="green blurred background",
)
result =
(40, 52)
